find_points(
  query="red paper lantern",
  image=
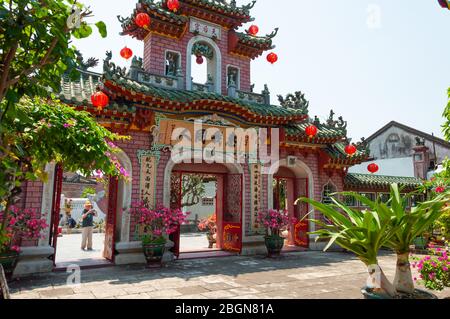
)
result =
(173, 5)
(272, 58)
(253, 30)
(126, 53)
(311, 131)
(373, 168)
(143, 20)
(351, 150)
(100, 100)
(199, 59)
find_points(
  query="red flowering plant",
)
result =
(275, 221)
(434, 270)
(208, 224)
(155, 223)
(20, 225)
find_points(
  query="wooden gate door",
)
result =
(176, 188)
(301, 229)
(56, 210)
(111, 219)
(232, 218)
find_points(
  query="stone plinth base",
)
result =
(34, 260)
(252, 246)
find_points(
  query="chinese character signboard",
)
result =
(148, 173)
(205, 28)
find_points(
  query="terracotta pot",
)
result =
(9, 262)
(154, 252)
(274, 245)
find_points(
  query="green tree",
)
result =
(35, 49)
(88, 191)
(49, 131)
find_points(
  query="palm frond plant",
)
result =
(362, 232)
(411, 224)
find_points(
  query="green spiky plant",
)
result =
(412, 224)
(362, 232)
(380, 225)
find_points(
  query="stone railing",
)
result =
(158, 80)
(200, 87)
(251, 97)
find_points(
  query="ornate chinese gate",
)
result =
(301, 229)
(111, 219)
(176, 188)
(56, 207)
(232, 219)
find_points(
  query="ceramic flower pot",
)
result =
(154, 252)
(274, 245)
(211, 240)
(9, 261)
(368, 293)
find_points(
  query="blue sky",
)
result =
(371, 61)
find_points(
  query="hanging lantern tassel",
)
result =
(351, 150)
(126, 53)
(100, 100)
(253, 30)
(143, 20)
(311, 131)
(199, 59)
(373, 168)
(272, 58)
(173, 5)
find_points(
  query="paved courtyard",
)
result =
(307, 275)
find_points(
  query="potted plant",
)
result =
(156, 225)
(17, 226)
(210, 226)
(434, 270)
(380, 225)
(275, 222)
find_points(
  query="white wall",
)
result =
(403, 167)
(199, 209)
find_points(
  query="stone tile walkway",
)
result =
(307, 275)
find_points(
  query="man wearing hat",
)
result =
(87, 225)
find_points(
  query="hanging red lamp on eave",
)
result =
(142, 20)
(272, 57)
(126, 53)
(173, 5)
(373, 168)
(199, 59)
(100, 100)
(311, 131)
(253, 30)
(351, 150)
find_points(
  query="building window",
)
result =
(384, 197)
(350, 201)
(173, 62)
(327, 192)
(370, 196)
(418, 157)
(207, 201)
(233, 77)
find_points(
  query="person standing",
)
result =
(88, 226)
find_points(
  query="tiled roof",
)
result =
(353, 180)
(222, 7)
(185, 96)
(324, 131)
(79, 91)
(337, 151)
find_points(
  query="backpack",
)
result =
(72, 223)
